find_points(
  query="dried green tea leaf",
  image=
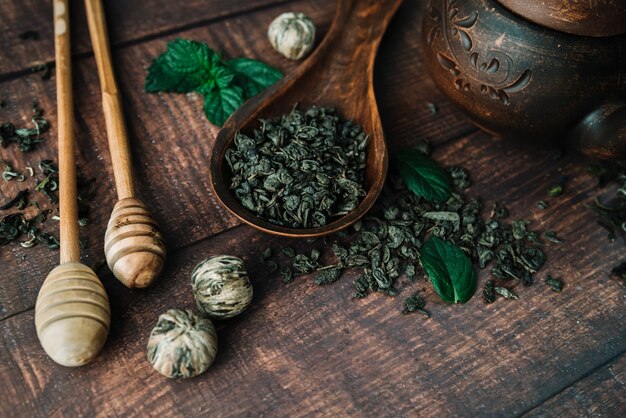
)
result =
(504, 292)
(415, 303)
(422, 175)
(555, 284)
(329, 274)
(20, 196)
(551, 236)
(286, 274)
(449, 269)
(489, 291)
(555, 191)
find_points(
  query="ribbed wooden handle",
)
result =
(133, 245)
(72, 315)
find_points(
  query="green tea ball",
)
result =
(182, 344)
(292, 35)
(221, 286)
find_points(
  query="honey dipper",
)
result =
(133, 245)
(72, 311)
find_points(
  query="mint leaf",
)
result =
(449, 269)
(221, 77)
(422, 175)
(220, 103)
(184, 67)
(253, 76)
(188, 66)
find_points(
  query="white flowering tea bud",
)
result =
(182, 344)
(292, 35)
(221, 286)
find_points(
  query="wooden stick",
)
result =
(133, 245)
(68, 206)
(111, 102)
(72, 314)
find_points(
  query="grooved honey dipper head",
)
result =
(133, 245)
(72, 314)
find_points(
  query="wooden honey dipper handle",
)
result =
(68, 205)
(111, 101)
(72, 313)
(133, 245)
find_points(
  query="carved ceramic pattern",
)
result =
(492, 75)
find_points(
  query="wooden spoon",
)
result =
(133, 244)
(72, 311)
(339, 73)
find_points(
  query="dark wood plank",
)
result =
(171, 138)
(129, 21)
(305, 350)
(601, 394)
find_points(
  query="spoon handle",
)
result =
(68, 207)
(357, 29)
(111, 101)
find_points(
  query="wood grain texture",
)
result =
(304, 350)
(601, 394)
(134, 20)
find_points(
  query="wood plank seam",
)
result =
(573, 382)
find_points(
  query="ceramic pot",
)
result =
(515, 77)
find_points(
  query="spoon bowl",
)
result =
(338, 74)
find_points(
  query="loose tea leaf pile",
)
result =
(25, 138)
(189, 66)
(404, 224)
(300, 170)
(14, 226)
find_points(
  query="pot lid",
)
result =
(579, 17)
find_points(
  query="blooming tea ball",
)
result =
(292, 34)
(221, 286)
(182, 344)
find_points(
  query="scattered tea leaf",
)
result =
(555, 284)
(43, 68)
(551, 236)
(555, 191)
(489, 291)
(19, 197)
(415, 303)
(504, 292)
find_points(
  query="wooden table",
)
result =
(302, 350)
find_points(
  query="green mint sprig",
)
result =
(190, 66)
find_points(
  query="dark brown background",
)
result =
(300, 349)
